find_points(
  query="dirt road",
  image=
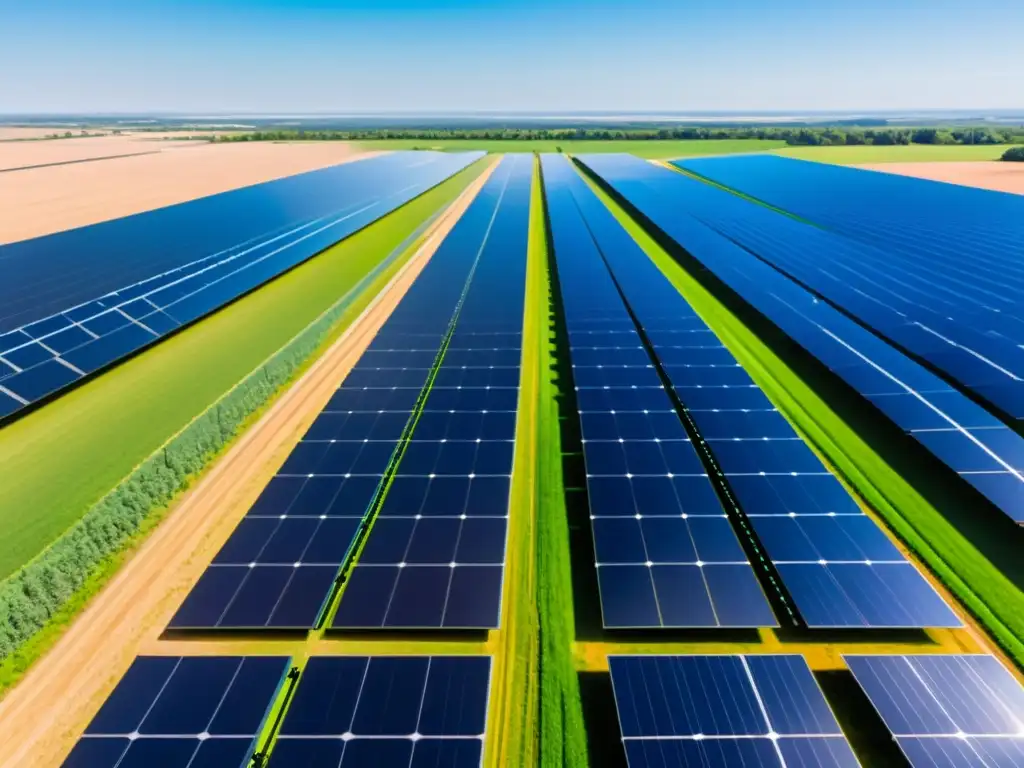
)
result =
(44, 715)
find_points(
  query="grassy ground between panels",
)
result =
(514, 716)
(996, 602)
(908, 153)
(654, 148)
(563, 739)
(60, 459)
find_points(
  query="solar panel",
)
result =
(281, 563)
(156, 272)
(181, 712)
(946, 710)
(725, 710)
(957, 431)
(435, 555)
(415, 711)
(840, 573)
(665, 551)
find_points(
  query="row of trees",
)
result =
(803, 136)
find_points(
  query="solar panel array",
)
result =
(400, 712)
(720, 711)
(947, 311)
(839, 567)
(665, 550)
(950, 261)
(947, 711)
(280, 564)
(175, 712)
(131, 281)
(435, 555)
(958, 432)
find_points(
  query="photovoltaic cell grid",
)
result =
(720, 711)
(840, 568)
(435, 555)
(178, 712)
(947, 711)
(963, 238)
(665, 550)
(955, 430)
(942, 289)
(973, 442)
(280, 564)
(400, 712)
(180, 276)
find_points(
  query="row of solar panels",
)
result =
(949, 294)
(666, 547)
(410, 462)
(713, 711)
(134, 280)
(351, 711)
(958, 432)
(721, 711)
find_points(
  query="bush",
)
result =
(1014, 154)
(30, 597)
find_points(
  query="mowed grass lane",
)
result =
(653, 148)
(58, 461)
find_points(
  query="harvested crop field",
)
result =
(49, 199)
(1002, 177)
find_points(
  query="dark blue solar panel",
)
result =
(665, 551)
(166, 268)
(769, 467)
(434, 557)
(279, 566)
(724, 711)
(423, 711)
(946, 710)
(867, 363)
(905, 269)
(182, 712)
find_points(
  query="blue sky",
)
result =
(299, 56)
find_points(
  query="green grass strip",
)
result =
(986, 592)
(563, 732)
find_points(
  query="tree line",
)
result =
(797, 136)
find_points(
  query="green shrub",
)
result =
(30, 597)
(1014, 154)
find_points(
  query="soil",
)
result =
(996, 175)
